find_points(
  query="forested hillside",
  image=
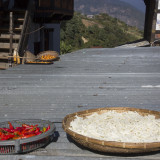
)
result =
(99, 31)
(115, 8)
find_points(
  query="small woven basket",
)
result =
(27, 144)
(51, 53)
(111, 146)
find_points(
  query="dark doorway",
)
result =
(37, 47)
(47, 33)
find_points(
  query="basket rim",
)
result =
(124, 145)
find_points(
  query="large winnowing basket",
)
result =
(110, 146)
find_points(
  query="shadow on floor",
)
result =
(112, 154)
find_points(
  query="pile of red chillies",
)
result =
(25, 131)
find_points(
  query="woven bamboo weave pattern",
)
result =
(111, 146)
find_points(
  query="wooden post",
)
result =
(152, 21)
(157, 24)
(149, 17)
(11, 39)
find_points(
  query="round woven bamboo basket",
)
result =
(111, 146)
(51, 53)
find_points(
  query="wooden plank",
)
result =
(7, 45)
(5, 36)
(85, 79)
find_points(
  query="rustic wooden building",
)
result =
(32, 25)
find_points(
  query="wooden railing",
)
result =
(25, 30)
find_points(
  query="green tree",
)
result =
(65, 48)
(111, 33)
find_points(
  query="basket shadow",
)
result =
(112, 154)
(55, 136)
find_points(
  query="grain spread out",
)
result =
(47, 57)
(127, 126)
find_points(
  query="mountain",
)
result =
(115, 8)
(139, 4)
(100, 31)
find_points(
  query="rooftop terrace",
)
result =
(85, 79)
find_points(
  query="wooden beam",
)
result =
(11, 38)
(150, 19)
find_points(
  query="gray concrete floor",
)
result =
(85, 79)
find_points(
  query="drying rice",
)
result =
(120, 127)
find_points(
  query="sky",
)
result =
(139, 4)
